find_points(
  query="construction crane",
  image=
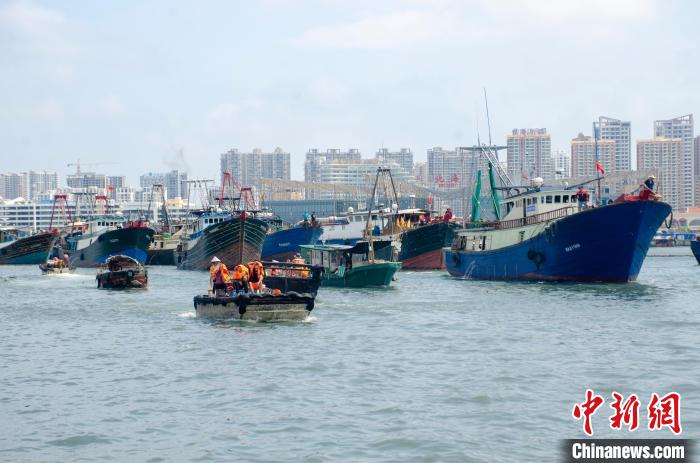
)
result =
(77, 165)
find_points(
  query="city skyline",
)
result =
(168, 92)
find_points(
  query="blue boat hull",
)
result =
(606, 244)
(695, 247)
(284, 244)
(132, 242)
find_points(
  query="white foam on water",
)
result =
(310, 319)
(190, 314)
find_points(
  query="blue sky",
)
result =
(136, 82)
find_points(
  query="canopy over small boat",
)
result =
(122, 272)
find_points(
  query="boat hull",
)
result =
(160, 257)
(606, 244)
(377, 274)
(284, 244)
(421, 247)
(695, 247)
(258, 307)
(130, 241)
(123, 279)
(32, 250)
(234, 241)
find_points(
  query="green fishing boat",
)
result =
(351, 266)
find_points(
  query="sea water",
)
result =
(430, 369)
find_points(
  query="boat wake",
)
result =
(190, 314)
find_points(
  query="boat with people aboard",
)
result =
(296, 276)
(231, 230)
(122, 272)
(554, 234)
(56, 265)
(291, 306)
(352, 266)
(18, 247)
(259, 291)
(695, 247)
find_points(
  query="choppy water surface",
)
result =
(433, 369)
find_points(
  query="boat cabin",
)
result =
(537, 202)
(334, 256)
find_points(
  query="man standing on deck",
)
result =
(218, 276)
(583, 197)
(648, 189)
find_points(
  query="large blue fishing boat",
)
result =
(284, 243)
(546, 235)
(91, 243)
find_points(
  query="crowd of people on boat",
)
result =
(250, 278)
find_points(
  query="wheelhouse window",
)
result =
(557, 199)
(565, 198)
(549, 199)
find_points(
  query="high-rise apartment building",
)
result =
(529, 155)
(87, 180)
(666, 156)
(28, 185)
(13, 186)
(562, 164)
(619, 132)
(314, 158)
(696, 160)
(114, 183)
(420, 172)
(583, 156)
(174, 182)
(248, 168)
(683, 129)
(446, 168)
(403, 158)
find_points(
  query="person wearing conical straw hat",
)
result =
(219, 278)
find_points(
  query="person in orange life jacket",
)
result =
(448, 215)
(583, 197)
(257, 273)
(300, 271)
(219, 278)
(240, 278)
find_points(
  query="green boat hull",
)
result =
(377, 274)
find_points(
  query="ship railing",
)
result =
(533, 219)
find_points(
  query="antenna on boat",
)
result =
(488, 118)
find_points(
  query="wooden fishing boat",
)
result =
(260, 307)
(122, 272)
(351, 266)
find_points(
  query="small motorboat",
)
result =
(55, 266)
(121, 272)
(270, 306)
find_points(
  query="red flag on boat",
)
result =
(599, 167)
(110, 187)
(430, 200)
